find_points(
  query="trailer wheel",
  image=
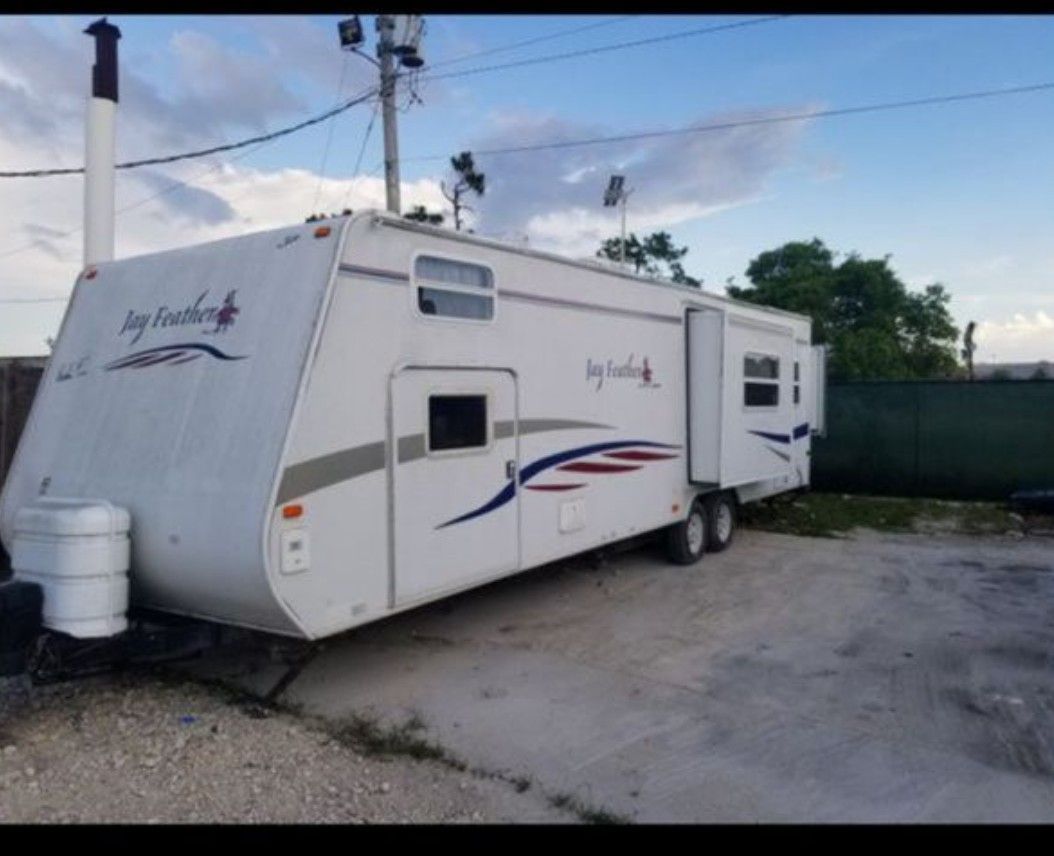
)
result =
(720, 521)
(686, 541)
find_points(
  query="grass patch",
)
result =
(829, 515)
(586, 813)
(371, 738)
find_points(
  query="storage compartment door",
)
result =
(705, 342)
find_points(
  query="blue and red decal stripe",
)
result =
(799, 432)
(562, 461)
(172, 355)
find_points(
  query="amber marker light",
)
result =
(322, 232)
(292, 512)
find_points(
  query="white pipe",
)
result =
(99, 156)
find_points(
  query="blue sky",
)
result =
(957, 193)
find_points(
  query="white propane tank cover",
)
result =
(78, 551)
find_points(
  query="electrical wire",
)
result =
(42, 173)
(329, 134)
(362, 151)
(176, 185)
(699, 31)
(534, 41)
(262, 138)
(767, 120)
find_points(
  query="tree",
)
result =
(1040, 373)
(874, 326)
(656, 255)
(421, 214)
(466, 179)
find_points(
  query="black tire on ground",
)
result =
(721, 521)
(686, 541)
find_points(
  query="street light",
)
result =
(616, 194)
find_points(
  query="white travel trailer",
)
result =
(314, 427)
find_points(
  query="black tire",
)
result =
(721, 519)
(686, 541)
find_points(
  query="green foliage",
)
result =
(421, 214)
(656, 255)
(466, 180)
(874, 327)
(828, 515)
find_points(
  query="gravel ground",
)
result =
(148, 748)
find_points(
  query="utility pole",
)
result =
(398, 39)
(622, 244)
(386, 28)
(100, 137)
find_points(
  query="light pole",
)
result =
(617, 194)
(398, 38)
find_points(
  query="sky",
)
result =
(960, 193)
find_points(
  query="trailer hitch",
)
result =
(56, 657)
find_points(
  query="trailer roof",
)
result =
(598, 266)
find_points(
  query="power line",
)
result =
(538, 39)
(176, 185)
(768, 120)
(262, 138)
(700, 31)
(329, 134)
(362, 151)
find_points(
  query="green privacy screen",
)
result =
(951, 439)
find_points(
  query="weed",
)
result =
(827, 515)
(586, 813)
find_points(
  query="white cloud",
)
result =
(1021, 338)
(554, 195)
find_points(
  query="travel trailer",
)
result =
(310, 428)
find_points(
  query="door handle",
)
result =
(510, 469)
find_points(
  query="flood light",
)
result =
(350, 31)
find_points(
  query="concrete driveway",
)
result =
(880, 678)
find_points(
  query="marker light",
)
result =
(91, 273)
(322, 232)
(291, 512)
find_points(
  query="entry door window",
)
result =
(457, 422)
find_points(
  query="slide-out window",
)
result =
(454, 289)
(456, 422)
(761, 374)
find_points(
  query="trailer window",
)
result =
(454, 289)
(761, 386)
(456, 422)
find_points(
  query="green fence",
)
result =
(949, 439)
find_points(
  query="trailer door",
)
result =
(454, 492)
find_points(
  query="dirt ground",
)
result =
(875, 677)
(145, 748)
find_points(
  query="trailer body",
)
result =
(315, 427)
